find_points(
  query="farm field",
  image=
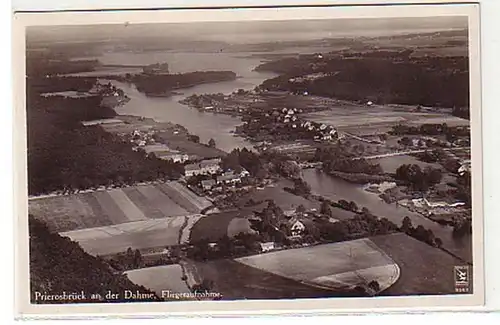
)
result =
(424, 269)
(116, 206)
(378, 118)
(338, 266)
(239, 281)
(150, 233)
(158, 278)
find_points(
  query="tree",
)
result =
(405, 141)
(137, 259)
(211, 143)
(374, 285)
(326, 209)
(300, 209)
(194, 138)
(407, 225)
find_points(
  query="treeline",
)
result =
(59, 265)
(431, 129)
(163, 84)
(40, 84)
(65, 155)
(435, 81)
(417, 178)
(42, 66)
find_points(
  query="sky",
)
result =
(248, 32)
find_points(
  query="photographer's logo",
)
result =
(462, 278)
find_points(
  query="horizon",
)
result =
(248, 32)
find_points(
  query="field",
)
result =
(158, 278)
(390, 164)
(337, 266)
(238, 281)
(285, 200)
(150, 233)
(378, 119)
(424, 269)
(116, 206)
(217, 225)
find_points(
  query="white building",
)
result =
(266, 247)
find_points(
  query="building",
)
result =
(205, 167)
(208, 184)
(174, 157)
(210, 166)
(229, 179)
(266, 247)
(296, 227)
(465, 167)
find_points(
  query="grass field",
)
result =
(116, 206)
(390, 164)
(238, 281)
(378, 118)
(150, 233)
(285, 200)
(213, 227)
(158, 278)
(424, 269)
(337, 266)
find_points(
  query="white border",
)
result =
(157, 16)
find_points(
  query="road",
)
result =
(407, 152)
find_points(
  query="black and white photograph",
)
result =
(246, 159)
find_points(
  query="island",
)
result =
(163, 85)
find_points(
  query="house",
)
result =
(210, 166)
(244, 173)
(266, 247)
(205, 167)
(465, 167)
(174, 157)
(207, 184)
(192, 170)
(229, 179)
(295, 227)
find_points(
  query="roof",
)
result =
(227, 177)
(207, 182)
(209, 162)
(192, 167)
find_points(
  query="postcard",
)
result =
(248, 160)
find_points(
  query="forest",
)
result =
(65, 155)
(384, 79)
(59, 265)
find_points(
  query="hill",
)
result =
(59, 265)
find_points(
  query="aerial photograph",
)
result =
(239, 160)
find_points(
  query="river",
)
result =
(337, 189)
(162, 109)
